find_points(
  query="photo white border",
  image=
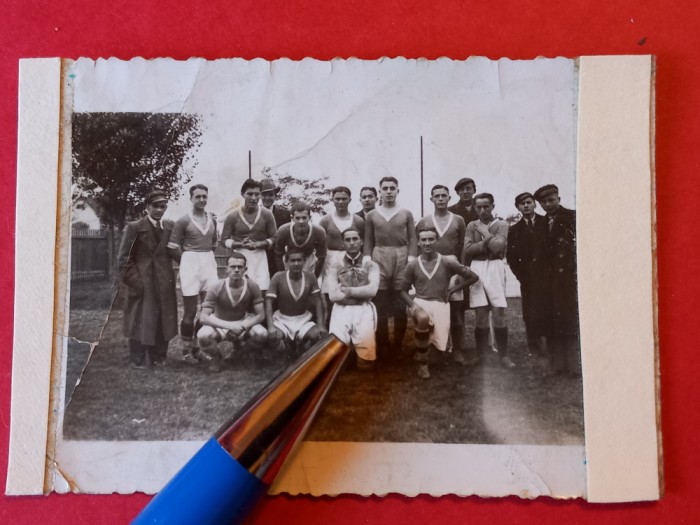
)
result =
(618, 346)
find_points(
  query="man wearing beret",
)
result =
(465, 188)
(553, 274)
(150, 312)
(521, 241)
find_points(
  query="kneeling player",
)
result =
(297, 294)
(430, 274)
(352, 283)
(232, 312)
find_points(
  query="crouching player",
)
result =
(232, 313)
(352, 283)
(430, 274)
(298, 295)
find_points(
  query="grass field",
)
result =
(485, 404)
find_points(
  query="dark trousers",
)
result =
(457, 325)
(389, 304)
(565, 354)
(156, 352)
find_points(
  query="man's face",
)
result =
(156, 210)
(268, 198)
(341, 200)
(466, 193)
(199, 199)
(550, 203)
(353, 243)
(440, 198)
(426, 241)
(251, 196)
(301, 220)
(484, 209)
(235, 268)
(527, 207)
(295, 262)
(389, 191)
(368, 200)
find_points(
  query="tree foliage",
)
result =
(119, 157)
(314, 192)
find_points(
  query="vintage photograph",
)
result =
(227, 215)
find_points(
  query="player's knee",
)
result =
(499, 317)
(422, 320)
(206, 332)
(311, 335)
(482, 316)
(258, 334)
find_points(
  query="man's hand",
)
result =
(275, 334)
(483, 230)
(237, 328)
(322, 330)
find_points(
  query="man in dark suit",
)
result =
(521, 243)
(150, 312)
(268, 194)
(554, 292)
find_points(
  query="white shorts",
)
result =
(197, 272)
(459, 294)
(356, 324)
(490, 289)
(332, 257)
(294, 327)
(258, 271)
(439, 314)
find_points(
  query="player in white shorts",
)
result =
(451, 229)
(192, 243)
(232, 312)
(251, 231)
(485, 245)
(431, 275)
(353, 282)
(298, 300)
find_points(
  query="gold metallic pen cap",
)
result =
(263, 433)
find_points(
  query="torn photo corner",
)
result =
(539, 379)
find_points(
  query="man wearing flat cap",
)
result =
(268, 195)
(553, 276)
(150, 312)
(521, 242)
(465, 188)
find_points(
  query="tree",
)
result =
(119, 157)
(314, 192)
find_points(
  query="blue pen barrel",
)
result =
(211, 489)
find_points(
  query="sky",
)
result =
(509, 125)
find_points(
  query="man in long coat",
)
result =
(555, 295)
(521, 243)
(150, 313)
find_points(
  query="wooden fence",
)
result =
(93, 254)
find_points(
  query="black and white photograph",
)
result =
(227, 215)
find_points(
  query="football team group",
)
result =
(289, 282)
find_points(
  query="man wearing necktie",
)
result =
(521, 241)
(150, 310)
(554, 291)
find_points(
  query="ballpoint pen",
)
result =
(221, 483)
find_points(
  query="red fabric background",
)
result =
(371, 29)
